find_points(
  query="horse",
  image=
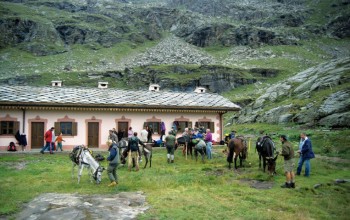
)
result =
(82, 157)
(265, 148)
(199, 148)
(186, 141)
(237, 147)
(147, 152)
(123, 144)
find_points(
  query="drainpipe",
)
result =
(221, 127)
(24, 119)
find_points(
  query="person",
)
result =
(130, 132)
(233, 134)
(113, 159)
(121, 134)
(173, 130)
(144, 134)
(53, 141)
(59, 140)
(113, 137)
(170, 141)
(288, 154)
(209, 142)
(48, 139)
(150, 133)
(306, 153)
(134, 150)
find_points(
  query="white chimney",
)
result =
(103, 85)
(154, 87)
(200, 90)
(56, 83)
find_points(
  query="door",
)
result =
(93, 134)
(123, 127)
(37, 135)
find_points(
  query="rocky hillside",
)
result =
(238, 48)
(318, 96)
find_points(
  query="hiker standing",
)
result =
(170, 142)
(134, 142)
(288, 154)
(113, 159)
(306, 154)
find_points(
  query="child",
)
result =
(59, 140)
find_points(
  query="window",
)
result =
(206, 125)
(67, 128)
(9, 127)
(181, 125)
(155, 126)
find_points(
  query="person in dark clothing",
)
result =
(134, 151)
(150, 133)
(113, 159)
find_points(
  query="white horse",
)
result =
(82, 157)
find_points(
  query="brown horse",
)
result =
(237, 147)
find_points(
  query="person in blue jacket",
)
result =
(113, 159)
(306, 153)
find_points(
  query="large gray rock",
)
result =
(125, 205)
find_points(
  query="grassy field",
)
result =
(187, 189)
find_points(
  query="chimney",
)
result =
(103, 85)
(56, 83)
(200, 90)
(154, 87)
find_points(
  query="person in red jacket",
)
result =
(48, 140)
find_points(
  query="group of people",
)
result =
(305, 154)
(50, 141)
(203, 138)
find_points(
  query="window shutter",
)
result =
(74, 128)
(211, 126)
(15, 127)
(57, 128)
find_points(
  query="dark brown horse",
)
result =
(265, 148)
(237, 147)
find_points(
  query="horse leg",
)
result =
(150, 159)
(240, 161)
(81, 167)
(264, 164)
(259, 160)
(146, 158)
(73, 169)
(235, 160)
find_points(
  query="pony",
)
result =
(237, 147)
(123, 144)
(265, 148)
(147, 153)
(82, 157)
(186, 142)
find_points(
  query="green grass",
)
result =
(324, 141)
(186, 189)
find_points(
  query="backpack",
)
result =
(134, 144)
(11, 147)
(73, 155)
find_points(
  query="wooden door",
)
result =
(37, 135)
(93, 134)
(123, 127)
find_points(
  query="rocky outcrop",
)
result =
(304, 87)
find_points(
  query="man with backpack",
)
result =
(134, 142)
(113, 159)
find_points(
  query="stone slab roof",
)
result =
(112, 98)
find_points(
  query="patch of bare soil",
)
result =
(258, 184)
(15, 165)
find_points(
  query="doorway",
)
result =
(93, 134)
(37, 135)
